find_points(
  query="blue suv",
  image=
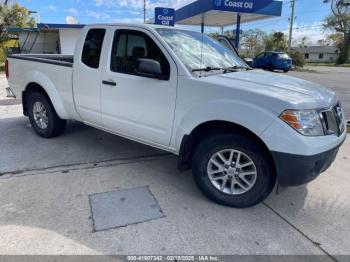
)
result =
(273, 60)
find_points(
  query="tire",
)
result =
(265, 177)
(270, 67)
(285, 70)
(55, 125)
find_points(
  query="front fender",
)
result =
(45, 82)
(250, 116)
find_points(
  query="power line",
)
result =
(275, 19)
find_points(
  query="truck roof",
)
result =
(134, 24)
(139, 25)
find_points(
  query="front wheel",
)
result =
(233, 170)
(43, 117)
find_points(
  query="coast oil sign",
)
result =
(164, 16)
(246, 6)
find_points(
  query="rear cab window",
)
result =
(92, 47)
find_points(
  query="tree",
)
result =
(297, 58)
(322, 42)
(214, 35)
(230, 35)
(252, 41)
(14, 15)
(335, 39)
(304, 41)
(339, 21)
(276, 41)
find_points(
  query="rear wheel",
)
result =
(270, 67)
(43, 116)
(233, 170)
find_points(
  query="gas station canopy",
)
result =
(221, 13)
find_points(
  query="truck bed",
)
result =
(62, 60)
(52, 72)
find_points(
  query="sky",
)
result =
(309, 14)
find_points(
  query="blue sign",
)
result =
(244, 6)
(164, 16)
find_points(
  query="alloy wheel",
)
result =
(40, 115)
(232, 172)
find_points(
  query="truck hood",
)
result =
(297, 93)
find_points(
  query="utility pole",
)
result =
(144, 11)
(291, 25)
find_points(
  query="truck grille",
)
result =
(333, 120)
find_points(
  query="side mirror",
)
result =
(150, 68)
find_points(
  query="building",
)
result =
(47, 38)
(319, 54)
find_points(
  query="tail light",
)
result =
(7, 69)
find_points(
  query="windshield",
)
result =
(197, 54)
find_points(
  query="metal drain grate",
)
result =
(123, 207)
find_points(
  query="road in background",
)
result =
(337, 78)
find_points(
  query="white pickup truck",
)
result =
(240, 130)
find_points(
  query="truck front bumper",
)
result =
(294, 170)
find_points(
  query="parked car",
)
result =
(273, 60)
(239, 129)
(249, 61)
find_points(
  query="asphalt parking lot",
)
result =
(45, 187)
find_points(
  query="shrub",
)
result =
(2, 54)
(297, 57)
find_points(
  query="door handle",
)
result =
(110, 83)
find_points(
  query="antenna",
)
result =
(201, 59)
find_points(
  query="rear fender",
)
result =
(43, 81)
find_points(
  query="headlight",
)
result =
(306, 122)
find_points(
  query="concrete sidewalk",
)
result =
(46, 211)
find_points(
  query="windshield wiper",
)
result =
(234, 68)
(225, 69)
(207, 69)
